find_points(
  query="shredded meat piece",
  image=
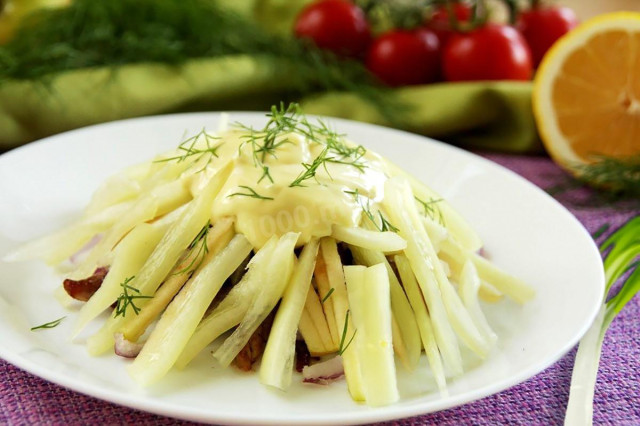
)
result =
(252, 351)
(303, 357)
(82, 290)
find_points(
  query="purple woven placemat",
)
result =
(26, 399)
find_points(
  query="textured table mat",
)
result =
(26, 399)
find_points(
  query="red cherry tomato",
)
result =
(440, 23)
(542, 26)
(402, 57)
(491, 52)
(336, 25)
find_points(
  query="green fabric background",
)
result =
(495, 115)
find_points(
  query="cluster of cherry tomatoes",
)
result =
(442, 47)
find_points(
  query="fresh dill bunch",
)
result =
(610, 180)
(619, 176)
(91, 33)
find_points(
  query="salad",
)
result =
(290, 247)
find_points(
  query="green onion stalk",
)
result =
(623, 248)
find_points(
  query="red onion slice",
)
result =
(125, 348)
(324, 372)
(82, 290)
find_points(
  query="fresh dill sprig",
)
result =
(285, 120)
(280, 123)
(265, 174)
(326, 296)
(126, 299)
(431, 210)
(335, 143)
(188, 148)
(50, 324)
(342, 348)
(250, 193)
(200, 240)
(384, 225)
(621, 177)
(607, 182)
(310, 169)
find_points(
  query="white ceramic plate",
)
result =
(44, 185)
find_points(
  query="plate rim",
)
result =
(142, 402)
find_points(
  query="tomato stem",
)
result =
(480, 15)
(512, 6)
(453, 19)
(384, 15)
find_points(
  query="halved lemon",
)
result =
(586, 96)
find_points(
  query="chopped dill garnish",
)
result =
(311, 169)
(326, 296)
(265, 174)
(50, 324)
(323, 159)
(431, 210)
(384, 225)
(201, 241)
(126, 299)
(283, 120)
(280, 123)
(251, 193)
(188, 148)
(342, 348)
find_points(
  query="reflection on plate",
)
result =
(44, 186)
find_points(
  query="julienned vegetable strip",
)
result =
(129, 257)
(182, 316)
(324, 292)
(623, 246)
(408, 336)
(372, 240)
(369, 298)
(163, 258)
(424, 322)
(265, 299)
(215, 241)
(232, 309)
(277, 362)
(340, 301)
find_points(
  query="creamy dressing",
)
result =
(271, 206)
